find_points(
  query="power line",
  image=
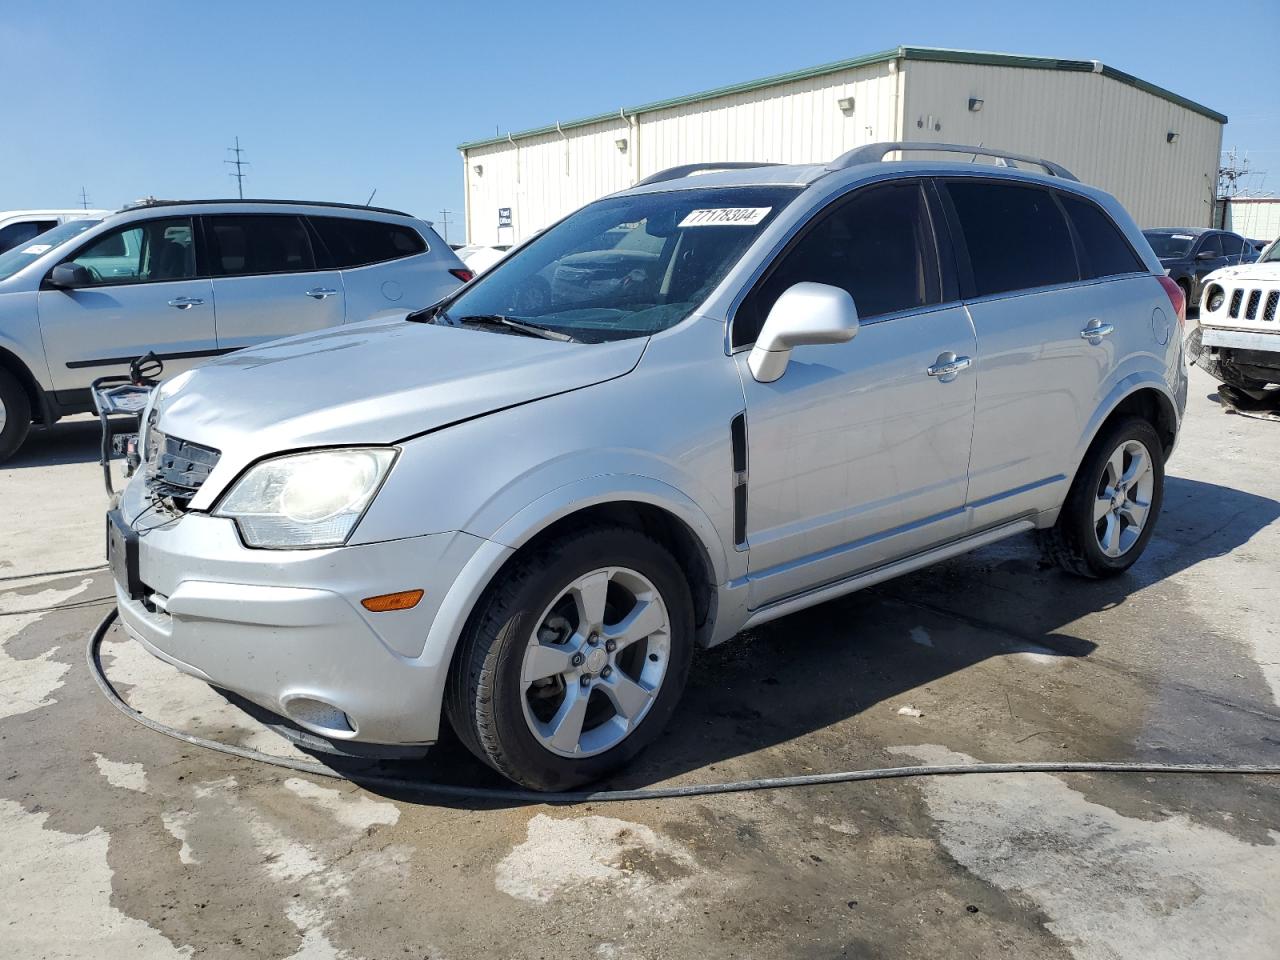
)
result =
(444, 222)
(239, 165)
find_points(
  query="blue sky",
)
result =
(333, 100)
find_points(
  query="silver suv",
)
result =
(190, 280)
(688, 408)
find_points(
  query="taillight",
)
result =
(462, 273)
(1176, 297)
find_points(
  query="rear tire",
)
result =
(15, 415)
(548, 685)
(1111, 509)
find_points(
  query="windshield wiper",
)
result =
(520, 326)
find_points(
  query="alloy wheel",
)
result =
(595, 662)
(1123, 503)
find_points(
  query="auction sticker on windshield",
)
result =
(725, 217)
(37, 248)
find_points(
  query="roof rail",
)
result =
(675, 173)
(153, 202)
(875, 152)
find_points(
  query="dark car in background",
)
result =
(1192, 253)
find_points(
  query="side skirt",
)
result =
(789, 605)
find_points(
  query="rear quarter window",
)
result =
(358, 243)
(1104, 251)
(1016, 236)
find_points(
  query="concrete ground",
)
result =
(118, 842)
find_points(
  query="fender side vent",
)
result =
(738, 438)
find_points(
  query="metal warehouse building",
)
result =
(1155, 150)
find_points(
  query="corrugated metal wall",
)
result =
(1256, 218)
(796, 122)
(1106, 132)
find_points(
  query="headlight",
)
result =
(1213, 298)
(306, 499)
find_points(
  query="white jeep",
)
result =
(1238, 340)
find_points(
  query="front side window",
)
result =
(1104, 250)
(148, 252)
(624, 266)
(1211, 245)
(357, 243)
(878, 245)
(1016, 236)
(243, 245)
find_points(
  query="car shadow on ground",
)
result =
(833, 662)
(68, 441)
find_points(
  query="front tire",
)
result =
(1110, 512)
(575, 658)
(15, 415)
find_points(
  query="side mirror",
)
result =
(1206, 255)
(805, 313)
(68, 276)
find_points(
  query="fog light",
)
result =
(404, 600)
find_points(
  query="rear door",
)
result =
(1033, 302)
(146, 295)
(266, 279)
(386, 267)
(858, 455)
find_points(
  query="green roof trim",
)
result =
(934, 54)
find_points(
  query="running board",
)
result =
(789, 605)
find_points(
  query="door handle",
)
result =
(185, 303)
(319, 293)
(947, 366)
(1095, 330)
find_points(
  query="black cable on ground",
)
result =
(650, 793)
(53, 573)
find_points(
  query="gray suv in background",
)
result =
(192, 280)
(524, 507)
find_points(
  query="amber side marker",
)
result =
(404, 600)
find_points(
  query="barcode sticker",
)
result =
(725, 217)
(37, 248)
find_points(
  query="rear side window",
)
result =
(1231, 245)
(1016, 236)
(878, 245)
(1104, 250)
(358, 243)
(242, 245)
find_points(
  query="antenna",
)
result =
(239, 165)
(1234, 169)
(370, 200)
(84, 199)
(444, 222)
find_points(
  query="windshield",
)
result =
(1271, 254)
(14, 260)
(1170, 245)
(624, 266)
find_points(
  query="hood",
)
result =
(1246, 272)
(375, 382)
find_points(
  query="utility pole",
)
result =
(444, 222)
(239, 165)
(84, 199)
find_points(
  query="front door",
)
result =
(266, 279)
(859, 453)
(144, 296)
